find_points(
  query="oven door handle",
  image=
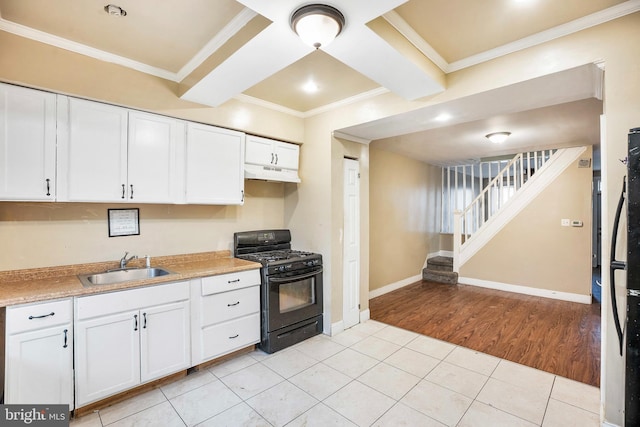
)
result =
(295, 278)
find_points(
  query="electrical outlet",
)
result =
(565, 222)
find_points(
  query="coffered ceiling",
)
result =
(175, 39)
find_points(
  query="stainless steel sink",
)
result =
(120, 276)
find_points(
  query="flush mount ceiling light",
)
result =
(317, 24)
(114, 10)
(498, 137)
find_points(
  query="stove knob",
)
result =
(281, 268)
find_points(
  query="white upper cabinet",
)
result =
(92, 151)
(27, 144)
(111, 154)
(156, 158)
(271, 160)
(214, 159)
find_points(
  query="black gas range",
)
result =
(291, 291)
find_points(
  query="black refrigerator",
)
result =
(630, 329)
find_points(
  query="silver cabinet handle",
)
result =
(234, 304)
(65, 338)
(233, 281)
(42, 316)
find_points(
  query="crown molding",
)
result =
(415, 39)
(609, 14)
(352, 138)
(229, 30)
(306, 114)
(346, 101)
(266, 104)
(62, 43)
(240, 20)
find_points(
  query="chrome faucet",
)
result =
(124, 261)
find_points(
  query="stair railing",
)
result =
(499, 191)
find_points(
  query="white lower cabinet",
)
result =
(226, 314)
(39, 353)
(127, 338)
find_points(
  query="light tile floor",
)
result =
(370, 375)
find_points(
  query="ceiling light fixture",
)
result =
(317, 24)
(310, 87)
(114, 10)
(498, 137)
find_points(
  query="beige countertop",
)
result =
(40, 284)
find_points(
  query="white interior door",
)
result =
(351, 244)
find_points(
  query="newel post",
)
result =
(457, 239)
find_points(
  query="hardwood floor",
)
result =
(554, 336)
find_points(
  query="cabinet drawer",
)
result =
(119, 301)
(231, 281)
(230, 305)
(229, 336)
(28, 317)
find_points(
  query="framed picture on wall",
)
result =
(124, 222)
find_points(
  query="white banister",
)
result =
(457, 243)
(499, 190)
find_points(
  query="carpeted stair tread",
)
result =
(440, 263)
(438, 276)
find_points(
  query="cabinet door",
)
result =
(92, 151)
(27, 144)
(214, 166)
(107, 358)
(164, 340)
(259, 151)
(286, 155)
(39, 366)
(156, 155)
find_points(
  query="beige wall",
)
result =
(48, 234)
(534, 250)
(403, 215)
(307, 207)
(41, 66)
(45, 234)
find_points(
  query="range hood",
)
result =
(270, 173)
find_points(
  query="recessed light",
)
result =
(443, 117)
(310, 87)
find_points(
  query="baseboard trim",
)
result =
(338, 326)
(526, 290)
(394, 286)
(606, 424)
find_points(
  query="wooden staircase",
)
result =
(440, 270)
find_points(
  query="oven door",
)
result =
(293, 298)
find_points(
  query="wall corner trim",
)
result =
(365, 315)
(337, 327)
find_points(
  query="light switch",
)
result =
(565, 222)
